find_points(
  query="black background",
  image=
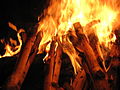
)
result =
(20, 13)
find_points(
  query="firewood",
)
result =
(32, 55)
(57, 66)
(114, 55)
(91, 59)
(79, 80)
(93, 39)
(13, 80)
(51, 61)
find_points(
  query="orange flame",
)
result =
(10, 50)
(62, 14)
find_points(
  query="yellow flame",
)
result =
(60, 16)
(13, 50)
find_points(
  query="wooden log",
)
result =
(13, 80)
(79, 80)
(93, 39)
(91, 59)
(69, 49)
(57, 67)
(114, 54)
(51, 61)
(32, 55)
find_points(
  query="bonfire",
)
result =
(86, 31)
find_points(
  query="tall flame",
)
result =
(60, 16)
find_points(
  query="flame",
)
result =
(60, 16)
(13, 50)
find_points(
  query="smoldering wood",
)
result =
(13, 80)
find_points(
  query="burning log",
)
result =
(79, 80)
(89, 53)
(17, 77)
(114, 55)
(91, 60)
(32, 55)
(93, 39)
(51, 61)
(57, 68)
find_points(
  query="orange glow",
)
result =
(60, 16)
(12, 50)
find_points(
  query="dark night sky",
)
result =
(20, 12)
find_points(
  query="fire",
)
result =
(95, 16)
(13, 50)
(60, 16)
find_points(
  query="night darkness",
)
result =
(21, 13)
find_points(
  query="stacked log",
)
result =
(96, 71)
(92, 63)
(25, 59)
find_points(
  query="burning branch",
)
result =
(57, 67)
(93, 39)
(51, 61)
(89, 53)
(91, 60)
(23, 63)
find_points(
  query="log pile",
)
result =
(79, 50)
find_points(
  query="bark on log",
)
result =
(114, 54)
(93, 39)
(51, 60)
(13, 80)
(79, 80)
(88, 51)
(57, 67)
(32, 55)
(91, 60)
